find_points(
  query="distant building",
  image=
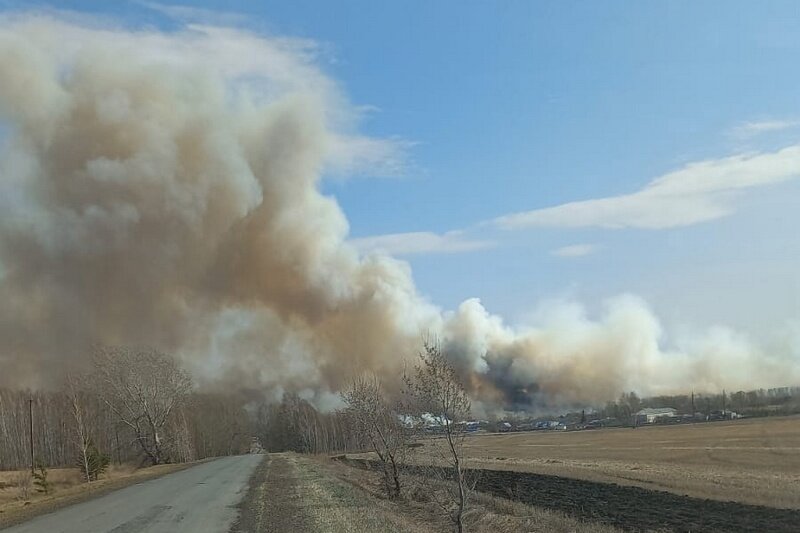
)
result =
(726, 414)
(469, 426)
(653, 415)
(255, 446)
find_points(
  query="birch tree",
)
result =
(143, 388)
(75, 391)
(435, 388)
(376, 422)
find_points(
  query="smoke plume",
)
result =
(162, 188)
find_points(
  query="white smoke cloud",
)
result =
(162, 188)
(568, 357)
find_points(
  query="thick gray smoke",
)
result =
(163, 189)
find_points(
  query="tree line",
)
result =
(133, 406)
(759, 402)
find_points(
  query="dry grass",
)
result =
(753, 461)
(486, 514)
(61, 479)
(301, 494)
(67, 487)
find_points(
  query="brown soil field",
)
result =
(627, 508)
(755, 461)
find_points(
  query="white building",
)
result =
(652, 415)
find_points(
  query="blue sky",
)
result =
(513, 107)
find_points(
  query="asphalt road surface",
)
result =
(200, 499)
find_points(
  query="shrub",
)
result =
(97, 461)
(23, 483)
(40, 479)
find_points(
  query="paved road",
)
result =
(201, 499)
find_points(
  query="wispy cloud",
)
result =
(420, 242)
(196, 15)
(358, 154)
(698, 192)
(575, 250)
(748, 130)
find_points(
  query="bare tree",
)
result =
(74, 426)
(294, 424)
(143, 388)
(75, 389)
(379, 425)
(219, 424)
(435, 389)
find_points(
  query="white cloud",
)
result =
(419, 242)
(575, 250)
(188, 14)
(357, 154)
(747, 130)
(698, 192)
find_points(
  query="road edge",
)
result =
(43, 507)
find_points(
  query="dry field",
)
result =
(754, 461)
(737, 476)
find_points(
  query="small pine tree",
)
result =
(92, 463)
(40, 479)
(98, 462)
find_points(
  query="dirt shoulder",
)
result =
(291, 493)
(15, 512)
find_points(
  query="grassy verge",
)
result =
(292, 493)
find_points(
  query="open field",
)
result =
(619, 506)
(754, 461)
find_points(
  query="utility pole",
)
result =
(723, 401)
(30, 416)
(116, 433)
(693, 409)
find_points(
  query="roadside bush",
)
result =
(23, 483)
(40, 479)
